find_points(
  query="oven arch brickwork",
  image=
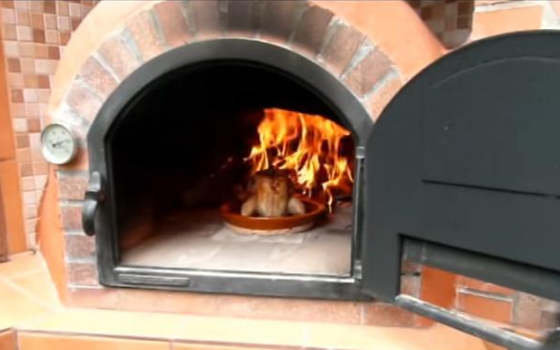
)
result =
(367, 68)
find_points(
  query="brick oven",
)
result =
(176, 105)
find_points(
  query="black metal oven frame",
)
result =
(99, 207)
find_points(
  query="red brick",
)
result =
(71, 217)
(368, 72)
(242, 17)
(381, 98)
(279, 19)
(497, 310)
(72, 186)
(143, 29)
(83, 274)
(80, 162)
(528, 311)
(206, 17)
(478, 285)
(97, 77)
(387, 315)
(121, 60)
(341, 47)
(172, 21)
(312, 29)
(83, 101)
(79, 246)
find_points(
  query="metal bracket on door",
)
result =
(479, 266)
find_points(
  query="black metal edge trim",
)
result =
(335, 94)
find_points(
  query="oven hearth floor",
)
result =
(200, 240)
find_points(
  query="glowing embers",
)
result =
(310, 147)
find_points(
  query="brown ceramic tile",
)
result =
(64, 23)
(8, 16)
(30, 341)
(312, 29)
(37, 6)
(53, 52)
(40, 168)
(368, 72)
(30, 81)
(41, 50)
(9, 4)
(63, 38)
(23, 155)
(50, 7)
(11, 49)
(75, 10)
(51, 36)
(341, 47)
(206, 17)
(24, 5)
(24, 33)
(27, 65)
(23, 18)
(143, 29)
(75, 23)
(37, 21)
(62, 8)
(172, 21)
(17, 95)
(13, 65)
(15, 81)
(9, 31)
(43, 81)
(26, 170)
(38, 35)
(26, 50)
(50, 21)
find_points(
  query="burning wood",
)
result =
(272, 195)
(307, 145)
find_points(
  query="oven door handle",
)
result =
(93, 197)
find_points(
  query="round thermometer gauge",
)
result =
(58, 144)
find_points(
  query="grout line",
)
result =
(386, 79)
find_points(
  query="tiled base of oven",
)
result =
(200, 240)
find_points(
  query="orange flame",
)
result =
(309, 146)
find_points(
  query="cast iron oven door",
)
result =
(463, 173)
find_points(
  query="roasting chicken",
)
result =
(271, 194)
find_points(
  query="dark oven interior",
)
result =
(181, 150)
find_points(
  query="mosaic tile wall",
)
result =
(34, 34)
(449, 20)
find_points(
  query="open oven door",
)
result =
(463, 174)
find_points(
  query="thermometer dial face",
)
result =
(58, 144)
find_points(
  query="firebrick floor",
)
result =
(200, 240)
(29, 308)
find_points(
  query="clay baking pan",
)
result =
(249, 225)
